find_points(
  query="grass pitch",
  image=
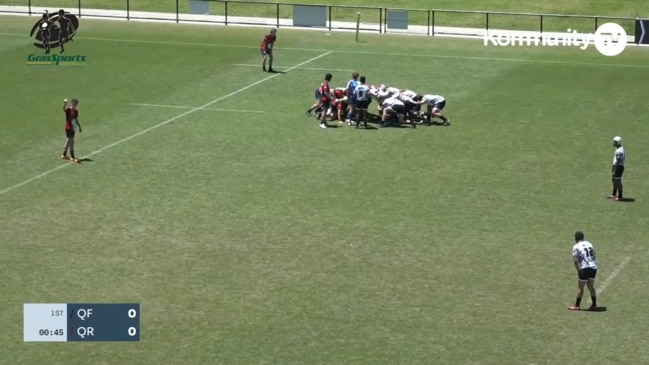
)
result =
(251, 236)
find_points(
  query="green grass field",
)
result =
(347, 9)
(251, 236)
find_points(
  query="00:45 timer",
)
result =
(57, 332)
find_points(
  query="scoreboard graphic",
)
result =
(74, 322)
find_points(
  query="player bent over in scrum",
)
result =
(394, 110)
(410, 99)
(317, 106)
(435, 104)
(583, 256)
(339, 105)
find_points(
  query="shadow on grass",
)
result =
(85, 160)
(276, 72)
(623, 200)
(597, 310)
(435, 124)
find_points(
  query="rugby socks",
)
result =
(594, 299)
(578, 302)
(614, 192)
(72, 154)
(619, 196)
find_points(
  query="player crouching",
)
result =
(339, 105)
(434, 104)
(394, 111)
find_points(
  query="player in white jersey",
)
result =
(410, 99)
(363, 99)
(385, 92)
(584, 259)
(618, 169)
(394, 110)
(435, 104)
(407, 95)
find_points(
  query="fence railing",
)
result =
(339, 17)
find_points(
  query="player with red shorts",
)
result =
(71, 124)
(267, 49)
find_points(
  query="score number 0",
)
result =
(132, 313)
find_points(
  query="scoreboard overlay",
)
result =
(77, 322)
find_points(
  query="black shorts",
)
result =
(440, 105)
(400, 109)
(618, 171)
(362, 104)
(326, 104)
(69, 134)
(587, 274)
(410, 106)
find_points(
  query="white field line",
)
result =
(188, 112)
(301, 68)
(614, 274)
(522, 60)
(191, 107)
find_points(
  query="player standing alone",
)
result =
(583, 256)
(618, 169)
(71, 124)
(325, 99)
(267, 49)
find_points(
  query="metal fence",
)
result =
(375, 19)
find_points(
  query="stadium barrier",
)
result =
(431, 22)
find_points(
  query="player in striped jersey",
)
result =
(618, 169)
(583, 256)
(351, 98)
(363, 99)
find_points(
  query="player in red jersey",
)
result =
(71, 124)
(340, 104)
(267, 49)
(325, 99)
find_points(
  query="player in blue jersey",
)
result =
(351, 97)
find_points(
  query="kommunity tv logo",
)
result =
(610, 39)
(51, 33)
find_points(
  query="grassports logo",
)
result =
(609, 39)
(53, 31)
